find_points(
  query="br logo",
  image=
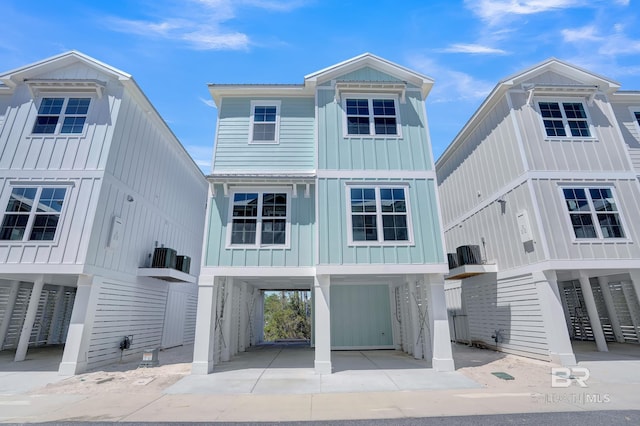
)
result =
(562, 377)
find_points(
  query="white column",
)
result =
(633, 310)
(439, 323)
(203, 346)
(244, 316)
(415, 325)
(553, 316)
(322, 311)
(611, 308)
(75, 356)
(227, 319)
(57, 311)
(27, 327)
(11, 302)
(592, 311)
(258, 321)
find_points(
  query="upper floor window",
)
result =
(593, 212)
(378, 214)
(636, 114)
(32, 213)
(564, 118)
(259, 219)
(61, 115)
(371, 116)
(265, 121)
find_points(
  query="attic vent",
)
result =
(398, 88)
(469, 255)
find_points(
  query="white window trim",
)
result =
(370, 97)
(62, 115)
(633, 110)
(565, 120)
(593, 213)
(276, 140)
(381, 241)
(27, 233)
(258, 244)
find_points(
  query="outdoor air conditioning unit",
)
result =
(452, 258)
(183, 263)
(164, 257)
(469, 255)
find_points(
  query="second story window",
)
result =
(265, 122)
(378, 214)
(562, 119)
(259, 219)
(371, 116)
(32, 213)
(593, 212)
(61, 115)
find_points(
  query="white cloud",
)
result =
(588, 33)
(473, 49)
(208, 102)
(199, 23)
(612, 44)
(202, 156)
(493, 11)
(451, 85)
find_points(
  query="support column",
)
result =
(203, 346)
(244, 316)
(629, 297)
(592, 311)
(57, 311)
(635, 281)
(11, 303)
(227, 319)
(75, 356)
(27, 327)
(258, 321)
(553, 316)
(611, 309)
(439, 323)
(415, 325)
(322, 305)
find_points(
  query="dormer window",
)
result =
(562, 119)
(371, 116)
(265, 121)
(61, 115)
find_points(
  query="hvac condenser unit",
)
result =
(183, 263)
(469, 255)
(452, 258)
(164, 257)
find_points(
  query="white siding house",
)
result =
(327, 186)
(91, 182)
(543, 181)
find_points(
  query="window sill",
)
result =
(573, 139)
(264, 142)
(57, 135)
(258, 247)
(380, 244)
(602, 241)
(372, 136)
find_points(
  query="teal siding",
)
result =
(296, 148)
(360, 316)
(332, 222)
(300, 253)
(410, 152)
(367, 74)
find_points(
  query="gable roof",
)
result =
(587, 78)
(312, 80)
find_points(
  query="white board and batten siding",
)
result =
(624, 111)
(510, 306)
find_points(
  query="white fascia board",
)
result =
(244, 271)
(40, 268)
(594, 267)
(381, 269)
(220, 91)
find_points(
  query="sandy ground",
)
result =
(477, 364)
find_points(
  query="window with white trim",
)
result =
(265, 121)
(565, 118)
(378, 214)
(371, 116)
(32, 213)
(61, 115)
(259, 218)
(593, 212)
(636, 115)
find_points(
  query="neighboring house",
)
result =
(544, 180)
(91, 182)
(327, 186)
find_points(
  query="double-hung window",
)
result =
(593, 212)
(265, 122)
(562, 119)
(259, 218)
(378, 214)
(371, 116)
(32, 213)
(61, 115)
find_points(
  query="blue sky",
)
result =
(173, 48)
